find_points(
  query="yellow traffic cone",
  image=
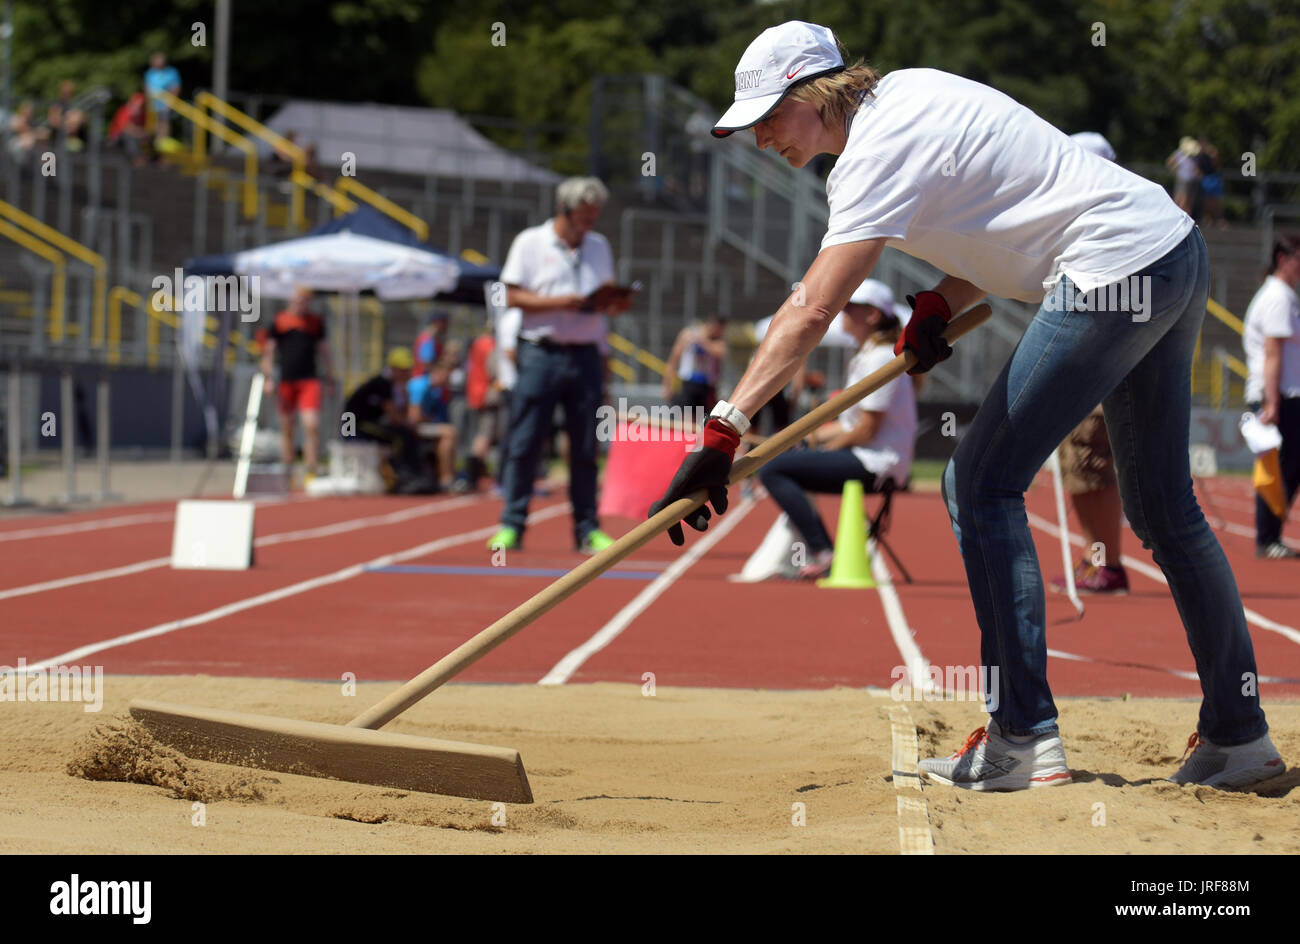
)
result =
(851, 567)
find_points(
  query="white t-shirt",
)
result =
(1274, 312)
(958, 174)
(890, 451)
(539, 261)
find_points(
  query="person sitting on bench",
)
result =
(872, 441)
(428, 413)
(376, 411)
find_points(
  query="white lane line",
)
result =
(272, 596)
(914, 834)
(1263, 622)
(918, 667)
(341, 527)
(99, 524)
(1180, 673)
(121, 521)
(563, 670)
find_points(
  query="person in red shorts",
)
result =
(297, 335)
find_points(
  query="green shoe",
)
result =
(595, 542)
(507, 539)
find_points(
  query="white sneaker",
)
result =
(1229, 768)
(988, 761)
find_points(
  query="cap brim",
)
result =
(747, 113)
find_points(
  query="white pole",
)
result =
(1066, 555)
(249, 435)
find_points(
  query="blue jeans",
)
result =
(571, 376)
(792, 473)
(1138, 366)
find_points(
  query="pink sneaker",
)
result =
(1096, 580)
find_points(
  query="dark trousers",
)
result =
(791, 474)
(570, 376)
(1268, 527)
(406, 447)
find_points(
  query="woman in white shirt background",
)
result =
(1272, 342)
(871, 441)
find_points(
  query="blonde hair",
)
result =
(836, 96)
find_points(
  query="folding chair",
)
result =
(879, 523)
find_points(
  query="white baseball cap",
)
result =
(876, 293)
(778, 60)
(903, 312)
(1092, 141)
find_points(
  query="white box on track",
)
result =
(213, 535)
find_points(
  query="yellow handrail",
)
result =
(340, 203)
(79, 252)
(59, 291)
(250, 124)
(204, 120)
(384, 205)
(618, 367)
(1227, 317)
(624, 346)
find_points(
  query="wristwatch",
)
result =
(731, 416)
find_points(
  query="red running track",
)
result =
(302, 613)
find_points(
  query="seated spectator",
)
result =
(871, 441)
(25, 133)
(374, 412)
(129, 129)
(427, 411)
(67, 124)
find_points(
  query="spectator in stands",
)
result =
(870, 442)
(67, 124)
(25, 133)
(376, 411)
(428, 401)
(282, 157)
(550, 271)
(1207, 166)
(1088, 475)
(161, 77)
(297, 336)
(430, 344)
(696, 361)
(1272, 342)
(129, 129)
(483, 398)
(1186, 176)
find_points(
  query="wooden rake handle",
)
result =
(480, 645)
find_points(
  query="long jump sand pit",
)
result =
(616, 770)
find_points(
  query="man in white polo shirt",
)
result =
(550, 271)
(1272, 342)
(960, 175)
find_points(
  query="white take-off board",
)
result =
(213, 535)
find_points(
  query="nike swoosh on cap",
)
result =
(791, 75)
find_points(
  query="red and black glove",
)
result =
(923, 335)
(707, 467)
